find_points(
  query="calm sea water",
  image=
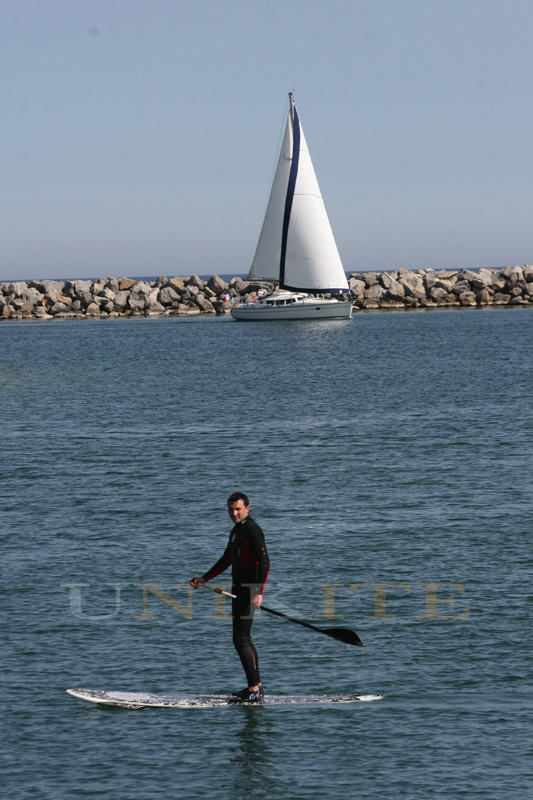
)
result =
(392, 449)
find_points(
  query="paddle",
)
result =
(341, 634)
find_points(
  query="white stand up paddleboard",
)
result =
(133, 700)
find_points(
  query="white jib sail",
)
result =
(312, 261)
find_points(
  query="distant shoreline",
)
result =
(194, 295)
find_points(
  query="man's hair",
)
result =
(236, 496)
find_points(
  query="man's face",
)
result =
(238, 511)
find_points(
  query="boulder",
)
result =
(137, 301)
(40, 313)
(59, 308)
(19, 304)
(237, 285)
(486, 275)
(177, 283)
(395, 291)
(515, 278)
(52, 290)
(446, 274)
(189, 294)
(444, 283)
(501, 299)
(499, 283)
(93, 310)
(121, 300)
(188, 310)
(18, 288)
(139, 293)
(141, 287)
(391, 304)
(82, 289)
(222, 307)
(370, 278)
(412, 284)
(357, 287)
(258, 286)
(195, 281)
(429, 279)
(375, 292)
(438, 294)
(461, 287)
(478, 284)
(468, 299)
(484, 297)
(125, 284)
(154, 308)
(69, 289)
(85, 298)
(204, 304)
(169, 296)
(107, 293)
(161, 281)
(467, 275)
(152, 296)
(217, 285)
(32, 295)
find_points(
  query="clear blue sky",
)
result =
(139, 137)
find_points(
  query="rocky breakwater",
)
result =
(124, 297)
(426, 288)
(114, 297)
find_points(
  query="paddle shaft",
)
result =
(341, 634)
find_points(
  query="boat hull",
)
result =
(317, 309)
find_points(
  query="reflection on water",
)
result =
(251, 755)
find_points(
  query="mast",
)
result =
(293, 174)
(291, 107)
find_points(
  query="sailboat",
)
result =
(296, 247)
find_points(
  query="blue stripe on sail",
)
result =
(290, 194)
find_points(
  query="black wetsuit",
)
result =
(247, 554)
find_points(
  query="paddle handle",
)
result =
(218, 590)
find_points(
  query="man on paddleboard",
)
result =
(247, 554)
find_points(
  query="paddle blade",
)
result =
(343, 635)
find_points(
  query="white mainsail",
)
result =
(296, 246)
(265, 265)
